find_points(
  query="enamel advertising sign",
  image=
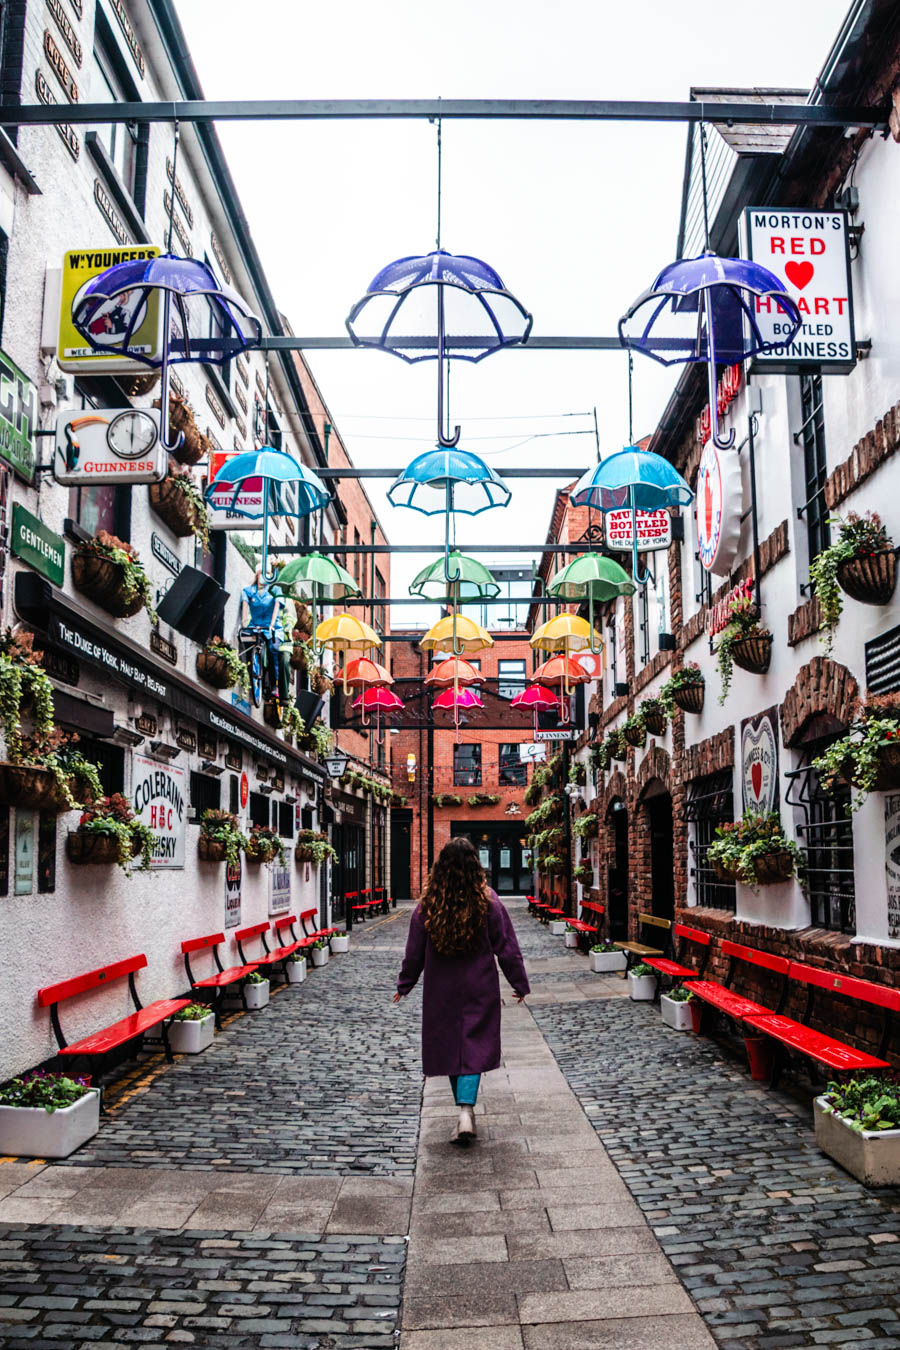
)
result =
(73, 352)
(759, 762)
(654, 530)
(718, 508)
(808, 250)
(251, 500)
(109, 445)
(159, 797)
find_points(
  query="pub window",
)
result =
(108, 85)
(306, 818)
(811, 435)
(206, 793)
(259, 808)
(285, 819)
(513, 770)
(234, 794)
(826, 835)
(511, 678)
(110, 761)
(467, 765)
(710, 802)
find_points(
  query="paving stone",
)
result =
(679, 1332)
(496, 1337)
(425, 1280)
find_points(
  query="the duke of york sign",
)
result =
(759, 762)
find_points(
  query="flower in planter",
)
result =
(113, 817)
(858, 537)
(194, 1012)
(264, 844)
(221, 827)
(869, 755)
(52, 1091)
(744, 623)
(584, 874)
(23, 681)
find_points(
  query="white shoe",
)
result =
(465, 1131)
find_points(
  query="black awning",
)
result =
(82, 716)
(710, 797)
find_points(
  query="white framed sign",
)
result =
(892, 861)
(808, 250)
(233, 893)
(759, 762)
(158, 793)
(279, 889)
(109, 445)
(718, 508)
(654, 530)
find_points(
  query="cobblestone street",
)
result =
(631, 1188)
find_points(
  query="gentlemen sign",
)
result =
(158, 792)
(37, 545)
(759, 762)
(808, 250)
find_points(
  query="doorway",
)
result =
(617, 878)
(348, 871)
(504, 854)
(401, 854)
(662, 856)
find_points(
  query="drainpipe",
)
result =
(328, 428)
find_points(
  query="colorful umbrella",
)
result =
(458, 631)
(568, 670)
(591, 575)
(472, 580)
(315, 578)
(537, 698)
(363, 672)
(453, 671)
(202, 320)
(275, 467)
(456, 699)
(344, 633)
(566, 633)
(380, 700)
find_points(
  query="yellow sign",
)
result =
(73, 352)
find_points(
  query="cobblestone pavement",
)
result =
(777, 1246)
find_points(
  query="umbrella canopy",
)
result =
(631, 477)
(363, 672)
(458, 698)
(565, 632)
(385, 700)
(705, 309)
(315, 577)
(537, 698)
(344, 633)
(465, 633)
(453, 671)
(276, 468)
(562, 667)
(590, 575)
(473, 581)
(448, 480)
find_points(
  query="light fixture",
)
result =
(210, 766)
(125, 736)
(164, 750)
(264, 789)
(336, 764)
(290, 798)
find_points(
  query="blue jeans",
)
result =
(464, 1087)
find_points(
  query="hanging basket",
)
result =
(260, 853)
(174, 507)
(689, 697)
(194, 445)
(214, 670)
(31, 788)
(210, 850)
(636, 736)
(870, 579)
(138, 386)
(722, 872)
(620, 752)
(84, 846)
(299, 659)
(656, 723)
(753, 653)
(773, 867)
(103, 581)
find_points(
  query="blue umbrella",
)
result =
(435, 306)
(202, 320)
(633, 478)
(705, 309)
(276, 468)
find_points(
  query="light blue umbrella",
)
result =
(276, 468)
(636, 479)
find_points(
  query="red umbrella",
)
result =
(568, 670)
(379, 699)
(363, 672)
(453, 671)
(456, 699)
(537, 698)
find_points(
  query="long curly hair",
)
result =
(456, 899)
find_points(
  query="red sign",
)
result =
(654, 530)
(720, 615)
(245, 791)
(727, 391)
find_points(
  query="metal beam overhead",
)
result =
(545, 547)
(562, 343)
(489, 109)
(503, 472)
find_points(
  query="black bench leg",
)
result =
(170, 1058)
(778, 1064)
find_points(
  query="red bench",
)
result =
(268, 960)
(296, 944)
(724, 999)
(363, 906)
(677, 970)
(131, 1028)
(827, 1050)
(222, 979)
(311, 915)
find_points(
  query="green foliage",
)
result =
(52, 1091)
(652, 707)
(113, 817)
(858, 754)
(223, 828)
(265, 844)
(533, 792)
(744, 623)
(584, 873)
(313, 847)
(549, 809)
(484, 799)
(255, 978)
(22, 679)
(868, 1103)
(680, 679)
(617, 745)
(194, 1012)
(586, 826)
(858, 537)
(635, 725)
(679, 994)
(73, 773)
(605, 947)
(642, 969)
(135, 582)
(448, 799)
(182, 482)
(739, 845)
(578, 773)
(551, 864)
(238, 670)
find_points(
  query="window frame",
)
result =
(106, 58)
(826, 837)
(709, 803)
(515, 684)
(811, 436)
(520, 779)
(470, 777)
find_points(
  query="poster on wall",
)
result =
(73, 352)
(158, 791)
(24, 853)
(759, 762)
(892, 861)
(233, 893)
(279, 889)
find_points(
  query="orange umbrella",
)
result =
(453, 671)
(568, 670)
(363, 673)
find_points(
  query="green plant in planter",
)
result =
(22, 679)
(255, 978)
(858, 536)
(578, 773)
(532, 794)
(297, 957)
(313, 847)
(616, 744)
(741, 846)
(58, 754)
(135, 581)
(605, 947)
(222, 828)
(744, 623)
(320, 943)
(652, 708)
(52, 1091)
(586, 826)
(600, 756)
(551, 863)
(642, 969)
(114, 816)
(543, 776)
(635, 725)
(194, 1012)
(583, 873)
(182, 482)
(447, 799)
(484, 799)
(858, 755)
(265, 843)
(549, 809)
(238, 670)
(679, 994)
(686, 675)
(867, 1103)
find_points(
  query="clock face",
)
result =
(132, 434)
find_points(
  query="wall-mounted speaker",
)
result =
(193, 604)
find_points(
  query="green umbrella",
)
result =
(471, 580)
(592, 576)
(316, 578)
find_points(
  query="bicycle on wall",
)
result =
(269, 669)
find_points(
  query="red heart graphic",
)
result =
(799, 274)
(756, 778)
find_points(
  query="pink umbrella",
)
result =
(381, 700)
(568, 670)
(537, 698)
(456, 699)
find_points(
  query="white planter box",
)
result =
(557, 927)
(676, 1013)
(602, 962)
(257, 994)
(341, 943)
(642, 988)
(319, 956)
(571, 939)
(32, 1132)
(872, 1156)
(295, 971)
(189, 1038)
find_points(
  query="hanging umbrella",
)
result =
(275, 468)
(453, 671)
(633, 478)
(464, 634)
(315, 578)
(380, 700)
(364, 673)
(705, 309)
(202, 320)
(438, 306)
(537, 698)
(592, 576)
(566, 633)
(473, 581)
(456, 699)
(568, 670)
(344, 633)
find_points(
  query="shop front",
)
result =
(348, 837)
(504, 854)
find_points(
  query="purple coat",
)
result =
(461, 994)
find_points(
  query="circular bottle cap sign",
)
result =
(719, 505)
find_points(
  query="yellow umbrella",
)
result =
(345, 633)
(566, 633)
(463, 634)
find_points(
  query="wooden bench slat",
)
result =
(110, 1038)
(638, 948)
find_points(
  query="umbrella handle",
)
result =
(170, 447)
(457, 650)
(315, 646)
(450, 577)
(596, 647)
(444, 441)
(721, 441)
(641, 575)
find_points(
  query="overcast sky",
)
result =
(577, 218)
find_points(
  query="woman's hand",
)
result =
(397, 998)
(520, 998)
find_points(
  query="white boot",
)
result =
(465, 1130)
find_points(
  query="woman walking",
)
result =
(456, 931)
